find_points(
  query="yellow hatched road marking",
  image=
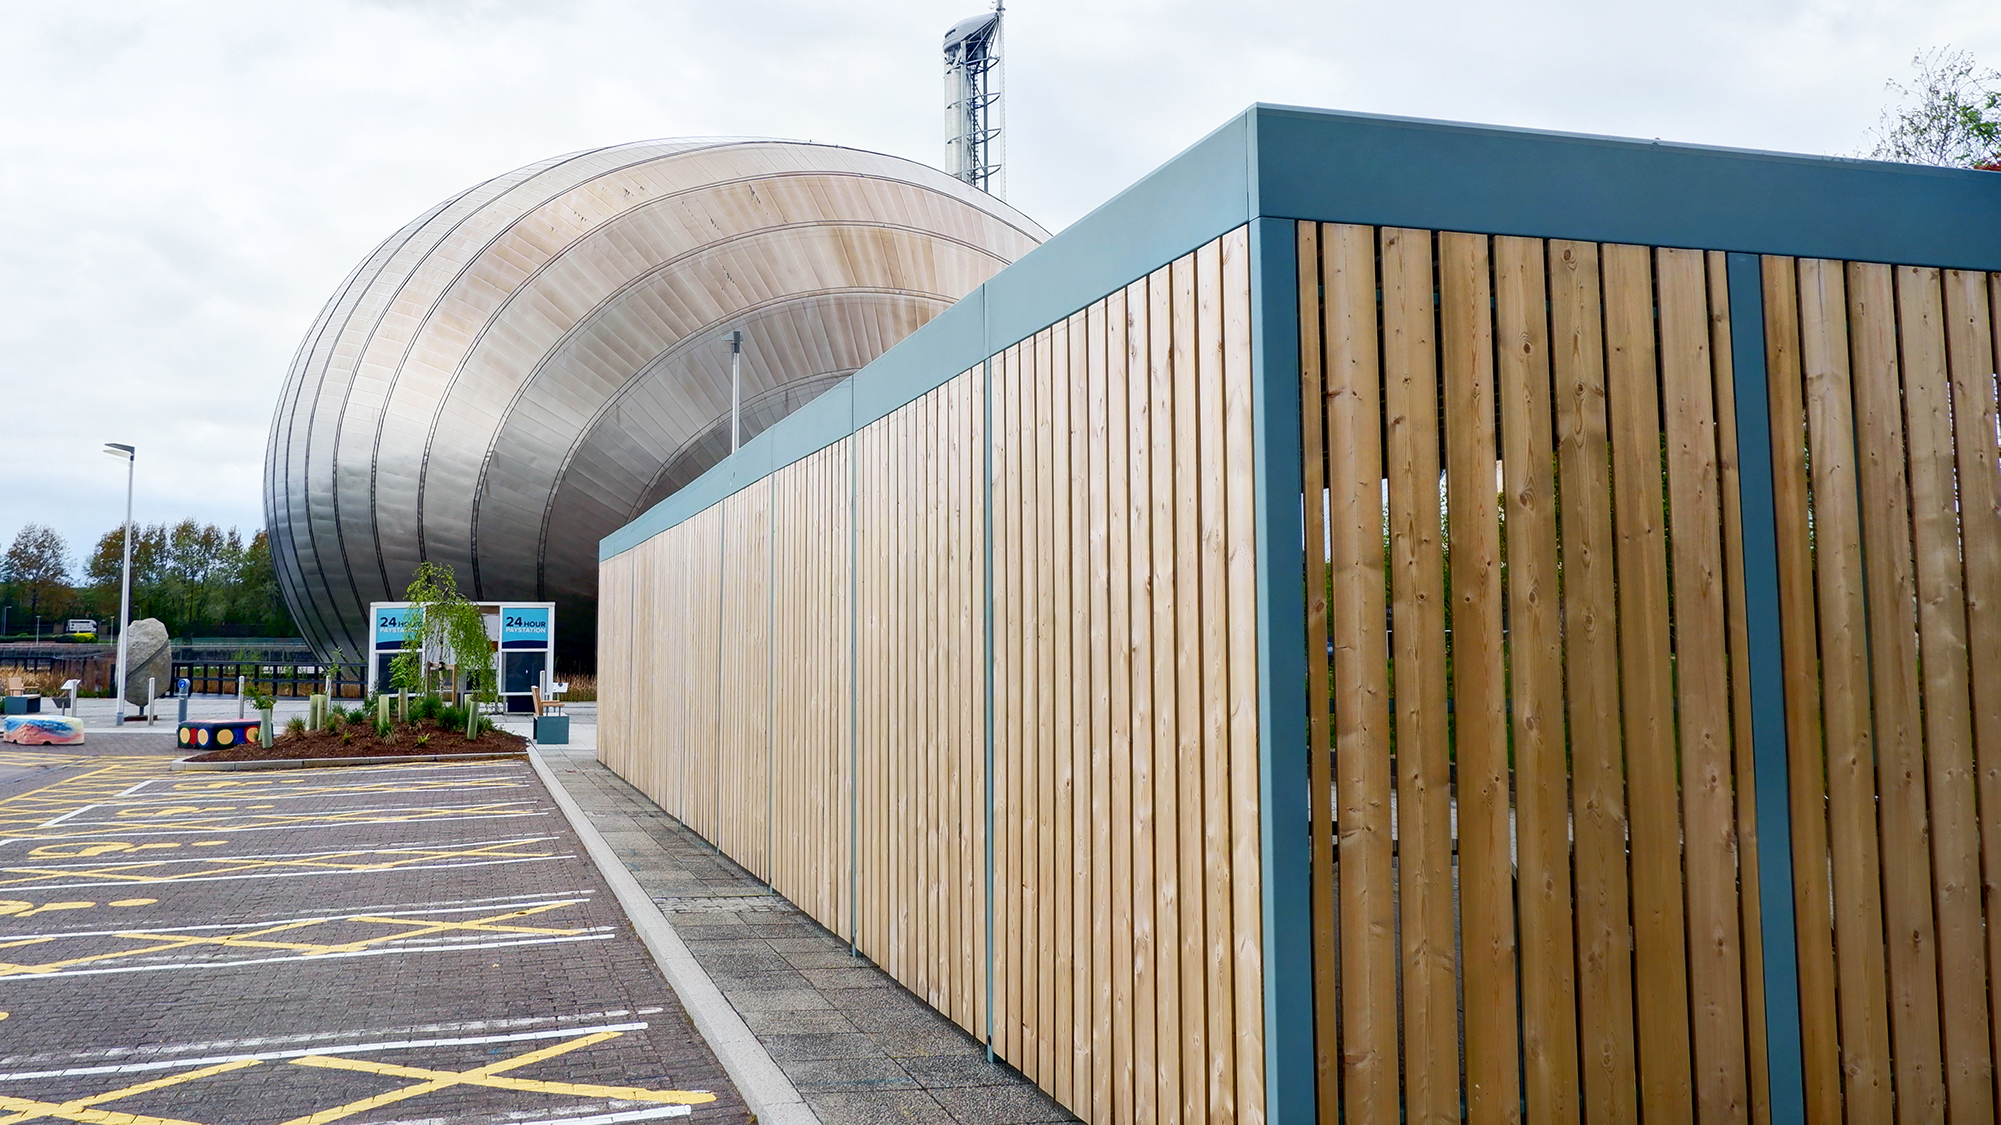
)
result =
(230, 865)
(413, 928)
(490, 1075)
(80, 1108)
(433, 927)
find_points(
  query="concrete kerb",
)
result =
(765, 1089)
(189, 765)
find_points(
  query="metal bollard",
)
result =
(183, 693)
(239, 696)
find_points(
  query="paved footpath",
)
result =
(409, 943)
(857, 1046)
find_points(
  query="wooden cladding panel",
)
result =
(816, 709)
(1883, 398)
(1128, 974)
(1466, 395)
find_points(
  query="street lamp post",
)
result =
(736, 390)
(125, 583)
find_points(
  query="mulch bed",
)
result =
(358, 740)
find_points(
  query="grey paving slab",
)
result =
(859, 1047)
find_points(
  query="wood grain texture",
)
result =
(1094, 946)
(1862, 973)
(1313, 404)
(1970, 324)
(1417, 585)
(1145, 852)
(1607, 1030)
(1705, 722)
(1535, 650)
(1361, 693)
(1807, 788)
(1889, 583)
(1647, 688)
(1169, 1048)
(1947, 704)
(1122, 935)
(1212, 549)
(1246, 862)
(1745, 764)
(1479, 680)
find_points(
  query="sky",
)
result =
(183, 183)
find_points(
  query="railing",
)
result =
(281, 681)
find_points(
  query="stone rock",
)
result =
(151, 655)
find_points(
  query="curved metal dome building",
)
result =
(529, 365)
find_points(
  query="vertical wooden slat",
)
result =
(1900, 769)
(1078, 855)
(1007, 697)
(1479, 678)
(1166, 825)
(1807, 788)
(1145, 936)
(1970, 341)
(1709, 815)
(1058, 854)
(1535, 652)
(1646, 673)
(1123, 928)
(1417, 584)
(1361, 682)
(1751, 924)
(1212, 551)
(1319, 689)
(1606, 1033)
(1836, 533)
(1049, 694)
(1948, 711)
(1193, 1029)
(1094, 941)
(1246, 833)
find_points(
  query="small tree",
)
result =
(443, 623)
(37, 567)
(1950, 114)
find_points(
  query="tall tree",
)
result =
(1949, 114)
(36, 570)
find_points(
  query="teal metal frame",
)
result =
(1274, 165)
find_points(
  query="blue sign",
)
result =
(524, 626)
(389, 626)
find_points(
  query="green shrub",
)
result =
(295, 725)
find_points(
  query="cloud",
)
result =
(186, 183)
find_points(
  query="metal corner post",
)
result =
(1282, 736)
(1767, 688)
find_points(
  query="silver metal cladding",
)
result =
(529, 365)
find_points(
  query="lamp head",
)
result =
(117, 450)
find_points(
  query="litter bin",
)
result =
(552, 730)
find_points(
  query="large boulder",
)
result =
(150, 655)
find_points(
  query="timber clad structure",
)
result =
(1389, 620)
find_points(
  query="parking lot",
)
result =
(420, 942)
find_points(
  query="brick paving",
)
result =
(859, 1047)
(362, 944)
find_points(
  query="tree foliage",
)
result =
(1948, 115)
(36, 570)
(197, 579)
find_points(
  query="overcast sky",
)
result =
(183, 184)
